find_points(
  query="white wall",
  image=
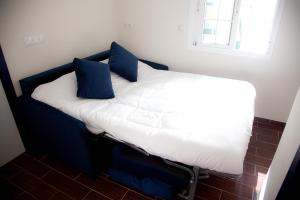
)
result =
(82, 27)
(154, 35)
(71, 28)
(284, 155)
(10, 141)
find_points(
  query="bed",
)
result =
(183, 118)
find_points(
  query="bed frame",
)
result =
(63, 137)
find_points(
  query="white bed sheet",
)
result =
(193, 119)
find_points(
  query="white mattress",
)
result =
(193, 119)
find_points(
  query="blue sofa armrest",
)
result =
(49, 130)
(30, 83)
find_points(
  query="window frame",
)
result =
(197, 14)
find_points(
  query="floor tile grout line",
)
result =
(75, 180)
(23, 168)
(11, 182)
(226, 191)
(124, 194)
(42, 180)
(243, 184)
(16, 174)
(274, 133)
(53, 195)
(43, 157)
(46, 173)
(273, 124)
(104, 179)
(111, 181)
(29, 193)
(22, 190)
(262, 165)
(67, 178)
(259, 140)
(25, 191)
(55, 188)
(40, 161)
(263, 157)
(56, 170)
(251, 174)
(270, 122)
(259, 156)
(86, 194)
(77, 176)
(269, 143)
(269, 128)
(100, 193)
(29, 172)
(221, 195)
(144, 195)
(35, 159)
(51, 167)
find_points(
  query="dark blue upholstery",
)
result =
(93, 79)
(147, 174)
(45, 128)
(123, 62)
(57, 133)
(148, 185)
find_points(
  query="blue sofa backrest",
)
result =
(30, 83)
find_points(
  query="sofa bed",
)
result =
(165, 125)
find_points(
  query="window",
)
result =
(235, 25)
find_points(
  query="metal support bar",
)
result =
(111, 137)
(192, 175)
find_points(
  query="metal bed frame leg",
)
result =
(193, 185)
(194, 174)
(198, 174)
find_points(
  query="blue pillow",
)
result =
(93, 79)
(123, 63)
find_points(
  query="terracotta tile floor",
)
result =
(29, 177)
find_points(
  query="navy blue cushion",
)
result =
(123, 63)
(93, 79)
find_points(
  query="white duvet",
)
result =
(193, 119)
